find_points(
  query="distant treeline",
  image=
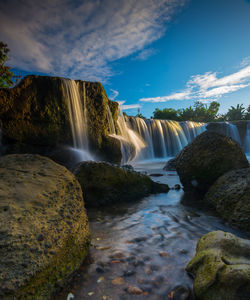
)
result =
(201, 112)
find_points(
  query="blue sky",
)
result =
(147, 53)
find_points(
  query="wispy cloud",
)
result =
(113, 95)
(130, 106)
(145, 54)
(208, 86)
(80, 38)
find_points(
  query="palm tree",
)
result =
(236, 113)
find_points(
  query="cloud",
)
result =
(145, 54)
(130, 106)
(79, 39)
(114, 94)
(208, 86)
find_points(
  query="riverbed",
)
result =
(143, 246)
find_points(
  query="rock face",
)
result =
(35, 117)
(208, 157)
(103, 183)
(221, 267)
(222, 127)
(230, 196)
(170, 165)
(44, 234)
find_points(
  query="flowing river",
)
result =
(145, 245)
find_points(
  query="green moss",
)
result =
(61, 267)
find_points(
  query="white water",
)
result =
(153, 139)
(110, 121)
(232, 131)
(78, 118)
(247, 139)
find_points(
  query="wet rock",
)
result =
(128, 167)
(208, 157)
(42, 257)
(134, 290)
(104, 183)
(128, 273)
(156, 175)
(221, 267)
(170, 165)
(176, 187)
(230, 196)
(180, 292)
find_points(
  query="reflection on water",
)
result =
(147, 245)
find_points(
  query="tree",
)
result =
(235, 113)
(6, 76)
(166, 114)
(247, 114)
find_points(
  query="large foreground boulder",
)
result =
(208, 157)
(221, 267)
(230, 196)
(103, 183)
(44, 232)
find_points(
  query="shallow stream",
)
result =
(145, 245)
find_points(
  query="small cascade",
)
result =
(78, 118)
(110, 121)
(247, 139)
(152, 139)
(232, 132)
(131, 142)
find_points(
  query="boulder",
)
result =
(230, 196)
(44, 231)
(103, 183)
(36, 119)
(221, 267)
(208, 157)
(170, 165)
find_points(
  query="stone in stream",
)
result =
(221, 267)
(103, 183)
(170, 165)
(44, 234)
(180, 292)
(208, 157)
(230, 197)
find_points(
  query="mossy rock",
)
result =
(230, 197)
(221, 267)
(35, 117)
(44, 234)
(208, 157)
(103, 183)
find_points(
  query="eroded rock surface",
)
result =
(103, 183)
(230, 196)
(207, 158)
(44, 232)
(221, 267)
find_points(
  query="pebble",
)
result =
(134, 290)
(118, 281)
(179, 293)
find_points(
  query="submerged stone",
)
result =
(44, 234)
(103, 183)
(208, 157)
(221, 267)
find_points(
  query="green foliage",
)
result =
(6, 76)
(139, 115)
(199, 112)
(236, 113)
(247, 114)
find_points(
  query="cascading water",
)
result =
(110, 121)
(78, 118)
(247, 139)
(232, 132)
(151, 139)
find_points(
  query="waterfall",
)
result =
(247, 139)
(232, 132)
(154, 139)
(78, 118)
(110, 121)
